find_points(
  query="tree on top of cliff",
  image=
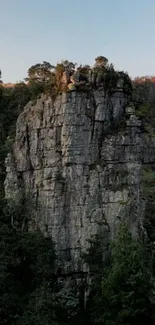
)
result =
(70, 66)
(40, 78)
(40, 72)
(101, 61)
(63, 66)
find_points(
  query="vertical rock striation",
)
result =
(81, 156)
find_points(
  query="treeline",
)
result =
(144, 79)
(44, 77)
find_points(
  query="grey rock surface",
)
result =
(83, 166)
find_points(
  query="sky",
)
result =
(32, 31)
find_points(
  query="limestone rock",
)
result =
(99, 79)
(130, 110)
(65, 78)
(85, 177)
(120, 83)
(75, 77)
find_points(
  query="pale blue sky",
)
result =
(78, 30)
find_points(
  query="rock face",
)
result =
(81, 156)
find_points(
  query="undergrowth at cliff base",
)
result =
(148, 191)
(121, 290)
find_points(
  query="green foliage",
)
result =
(144, 93)
(84, 74)
(64, 66)
(148, 187)
(26, 264)
(101, 60)
(21, 208)
(94, 254)
(69, 66)
(127, 290)
(46, 307)
(111, 78)
(42, 308)
(147, 114)
(41, 72)
(125, 294)
(127, 86)
(144, 101)
(12, 102)
(45, 78)
(41, 79)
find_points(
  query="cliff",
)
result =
(81, 157)
(78, 155)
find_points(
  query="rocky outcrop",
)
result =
(81, 156)
(101, 75)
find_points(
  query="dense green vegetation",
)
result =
(12, 102)
(121, 290)
(144, 101)
(122, 280)
(148, 187)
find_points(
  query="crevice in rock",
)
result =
(93, 116)
(28, 150)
